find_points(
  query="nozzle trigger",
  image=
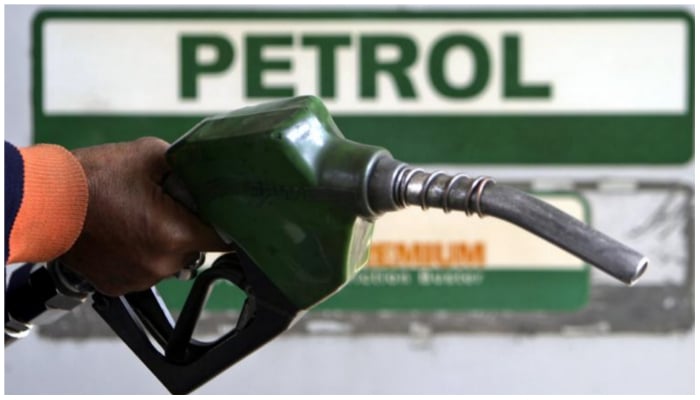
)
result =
(168, 349)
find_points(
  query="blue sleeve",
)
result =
(14, 179)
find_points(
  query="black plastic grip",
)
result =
(179, 361)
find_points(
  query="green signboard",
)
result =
(479, 88)
(434, 87)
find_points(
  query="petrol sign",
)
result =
(595, 88)
(434, 87)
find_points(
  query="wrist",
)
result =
(54, 204)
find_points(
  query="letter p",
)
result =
(191, 67)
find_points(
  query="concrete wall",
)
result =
(399, 364)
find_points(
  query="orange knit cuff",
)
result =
(54, 205)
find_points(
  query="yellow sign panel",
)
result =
(416, 238)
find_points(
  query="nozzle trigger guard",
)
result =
(168, 349)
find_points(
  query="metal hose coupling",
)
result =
(394, 185)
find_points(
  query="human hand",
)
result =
(134, 234)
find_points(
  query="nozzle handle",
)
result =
(168, 349)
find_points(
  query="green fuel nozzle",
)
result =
(282, 181)
(298, 201)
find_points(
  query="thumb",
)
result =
(199, 235)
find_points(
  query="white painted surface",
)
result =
(449, 364)
(583, 65)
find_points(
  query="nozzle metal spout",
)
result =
(570, 234)
(394, 185)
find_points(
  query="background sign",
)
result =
(629, 171)
(433, 87)
(579, 88)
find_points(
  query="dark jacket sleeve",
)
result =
(14, 177)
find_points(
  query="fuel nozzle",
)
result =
(297, 201)
(394, 185)
(286, 163)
